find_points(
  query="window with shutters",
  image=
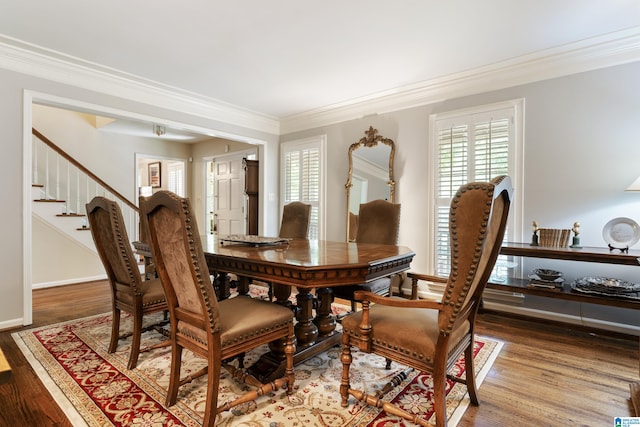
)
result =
(473, 145)
(302, 179)
(176, 178)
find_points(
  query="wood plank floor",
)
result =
(546, 375)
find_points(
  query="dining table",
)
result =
(312, 267)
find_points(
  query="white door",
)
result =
(229, 197)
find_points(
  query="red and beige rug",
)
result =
(95, 388)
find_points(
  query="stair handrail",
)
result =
(82, 168)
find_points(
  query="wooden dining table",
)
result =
(307, 265)
(313, 267)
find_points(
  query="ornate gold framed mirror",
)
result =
(370, 175)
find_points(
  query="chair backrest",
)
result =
(112, 243)
(353, 226)
(477, 223)
(179, 259)
(144, 226)
(296, 217)
(378, 222)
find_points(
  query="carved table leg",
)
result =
(325, 320)
(282, 294)
(221, 285)
(306, 330)
(243, 285)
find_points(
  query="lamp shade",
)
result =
(635, 185)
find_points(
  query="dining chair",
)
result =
(378, 222)
(215, 330)
(427, 335)
(129, 292)
(296, 217)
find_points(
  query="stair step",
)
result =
(74, 215)
(37, 185)
(83, 229)
(48, 200)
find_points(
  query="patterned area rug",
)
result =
(95, 388)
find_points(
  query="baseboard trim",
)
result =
(12, 323)
(585, 322)
(67, 282)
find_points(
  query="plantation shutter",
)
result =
(176, 178)
(473, 147)
(301, 170)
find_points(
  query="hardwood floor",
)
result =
(546, 374)
(24, 401)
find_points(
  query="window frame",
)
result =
(319, 142)
(515, 108)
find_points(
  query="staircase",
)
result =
(54, 213)
(62, 187)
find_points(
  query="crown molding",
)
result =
(590, 54)
(32, 60)
(599, 52)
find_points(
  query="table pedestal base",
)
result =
(314, 335)
(270, 367)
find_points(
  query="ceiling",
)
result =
(286, 57)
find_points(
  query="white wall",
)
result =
(582, 145)
(59, 260)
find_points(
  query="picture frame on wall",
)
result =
(155, 175)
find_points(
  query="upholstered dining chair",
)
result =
(428, 335)
(378, 222)
(296, 217)
(215, 330)
(128, 291)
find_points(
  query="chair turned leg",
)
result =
(174, 376)
(346, 360)
(115, 330)
(135, 341)
(470, 375)
(440, 396)
(211, 406)
(289, 350)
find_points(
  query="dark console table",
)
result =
(585, 254)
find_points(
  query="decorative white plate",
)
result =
(621, 233)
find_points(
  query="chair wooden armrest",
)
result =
(415, 277)
(396, 302)
(426, 277)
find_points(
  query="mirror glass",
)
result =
(370, 175)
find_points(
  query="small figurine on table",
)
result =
(534, 237)
(576, 240)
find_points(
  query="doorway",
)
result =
(226, 201)
(32, 98)
(168, 174)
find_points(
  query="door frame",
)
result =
(251, 154)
